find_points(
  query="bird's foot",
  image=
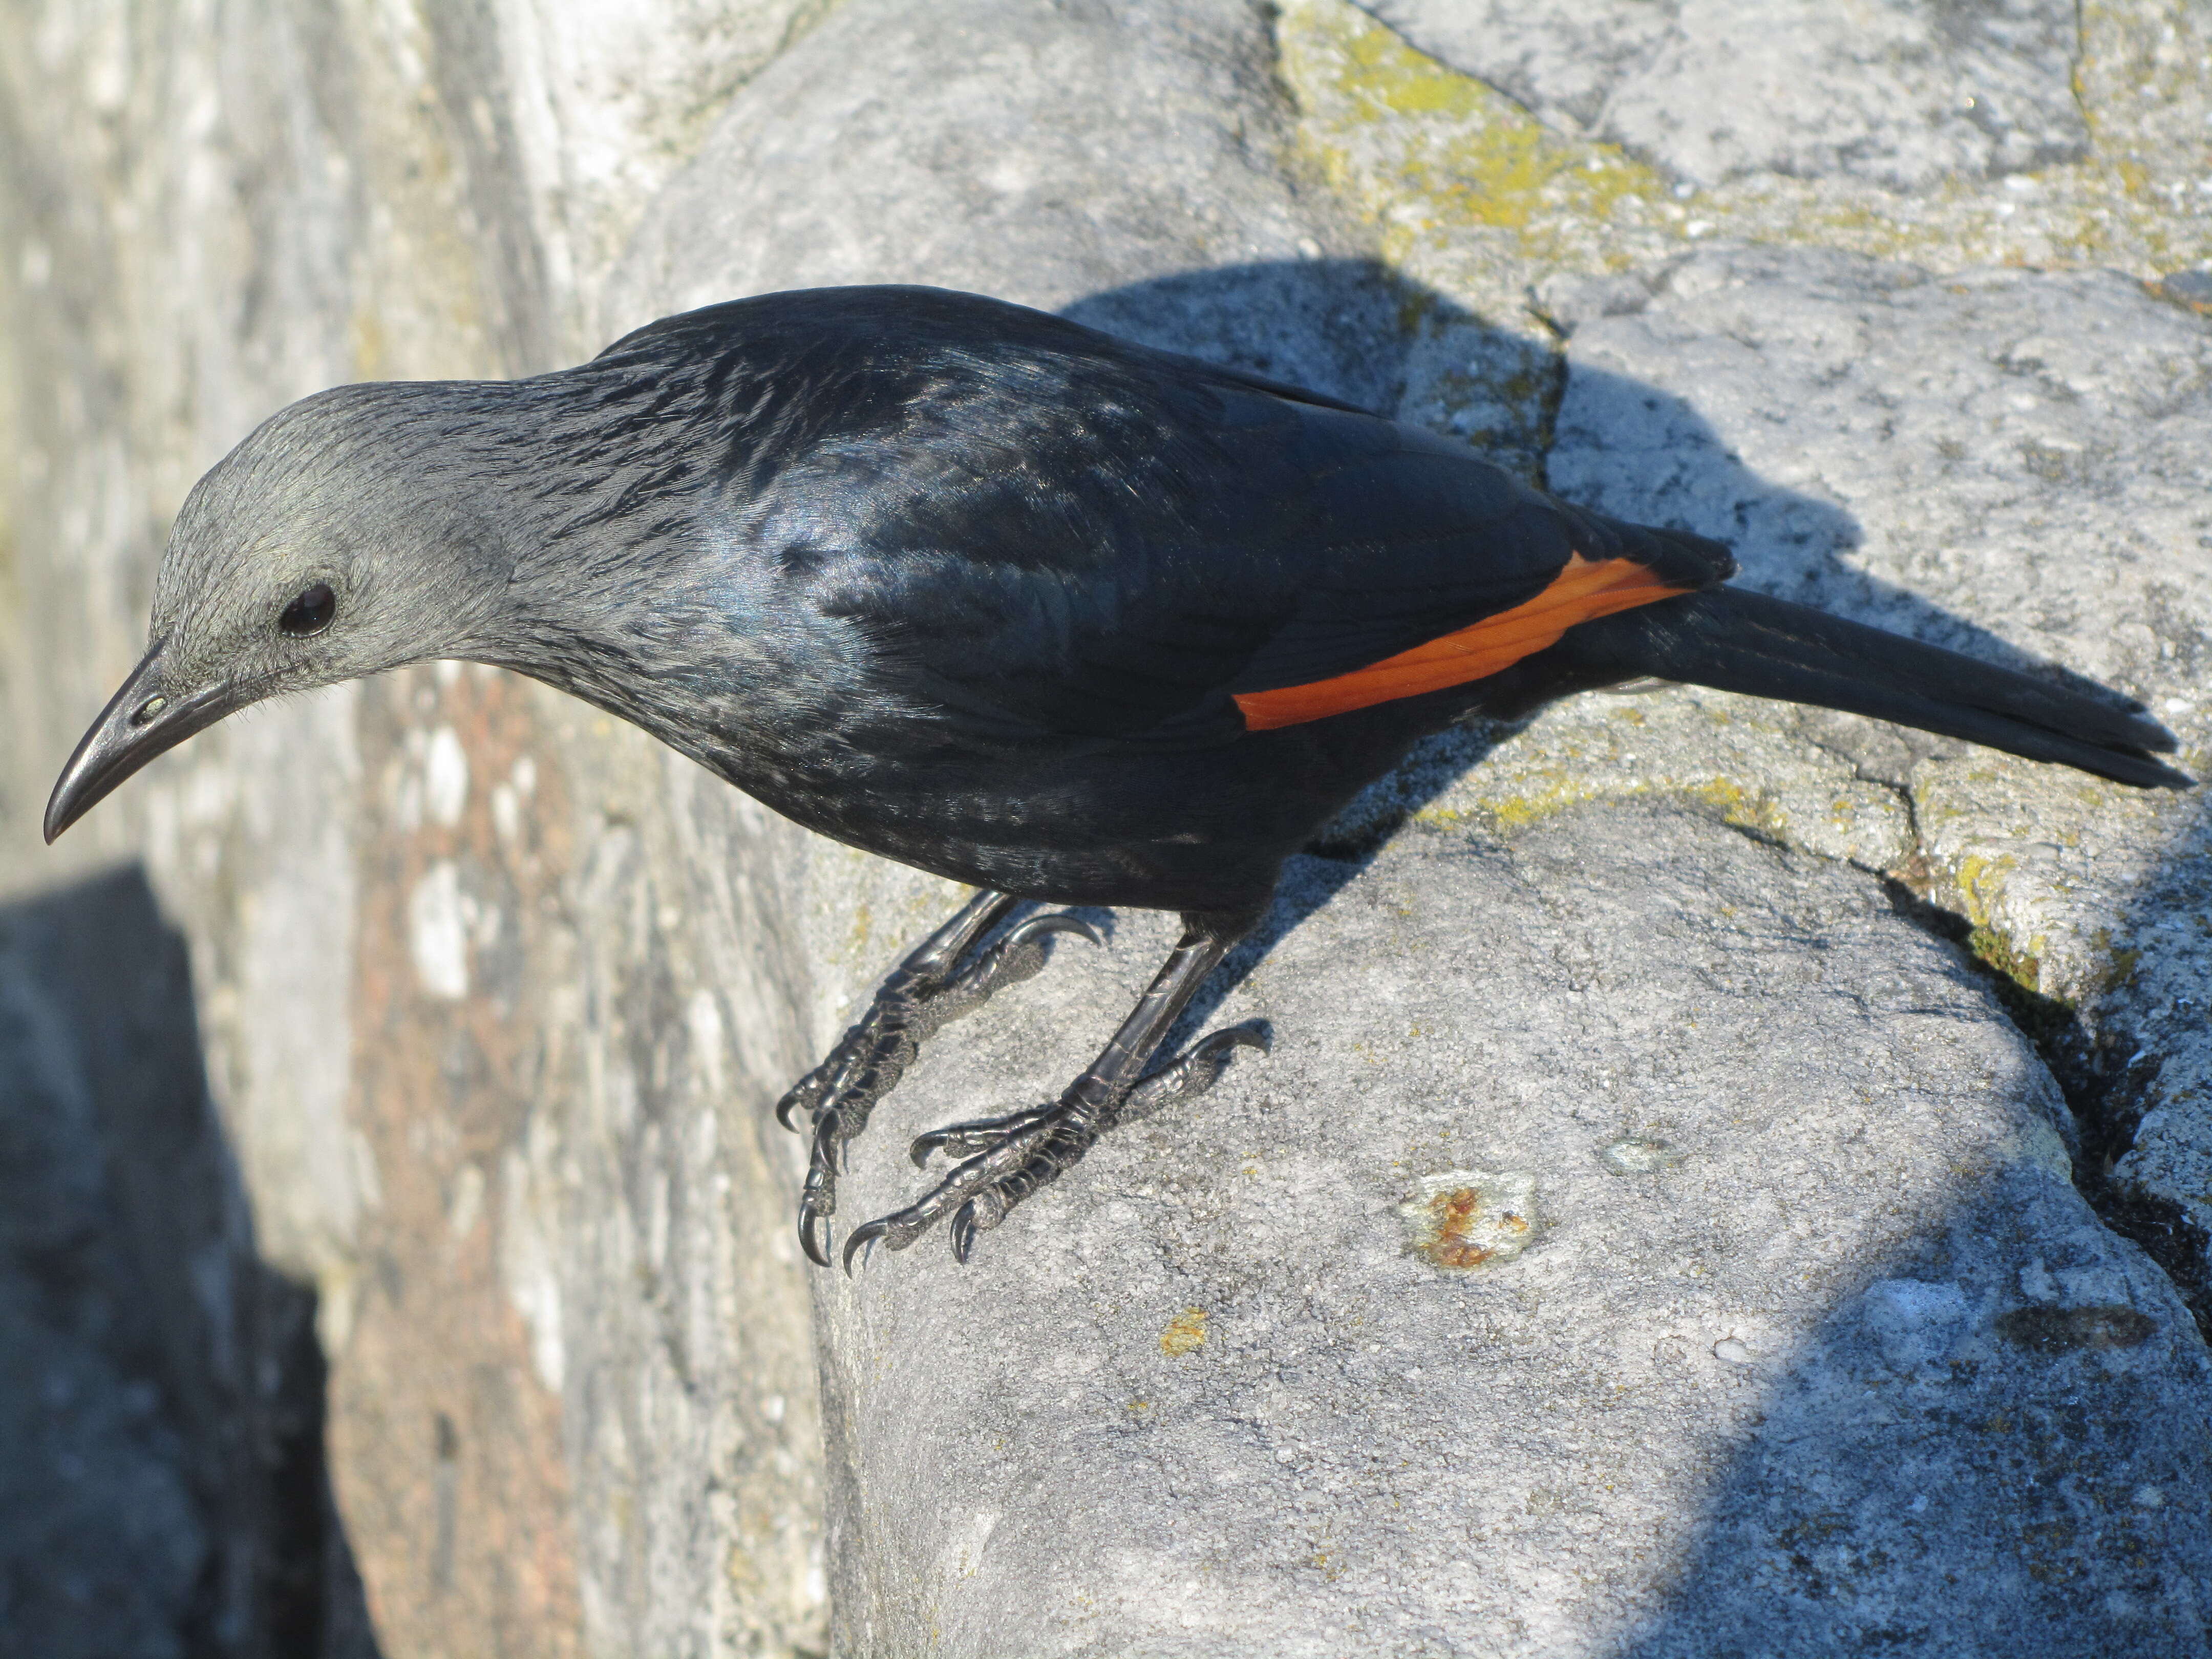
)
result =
(942, 980)
(1009, 1157)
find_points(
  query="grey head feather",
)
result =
(381, 491)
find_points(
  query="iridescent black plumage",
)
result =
(979, 589)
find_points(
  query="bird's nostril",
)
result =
(147, 709)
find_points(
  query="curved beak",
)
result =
(139, 722)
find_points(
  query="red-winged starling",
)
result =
(996, 595)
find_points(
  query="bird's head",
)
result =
(337, 541)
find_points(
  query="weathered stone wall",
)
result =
(1812, 1338)
(468, 1065)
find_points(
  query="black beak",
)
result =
(138, 723)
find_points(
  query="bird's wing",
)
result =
(1176, 555)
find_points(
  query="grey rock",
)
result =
(2192, 288)
(346, 192)
(1480, 202)
(1125, 162)
(101, 1542)
(1903, 92)
(571, 115)
(1852, 1362)
(2008, 462)
(1755, 763)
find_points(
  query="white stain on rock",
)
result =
(445, 778)
(437, 932)
(527, 1264)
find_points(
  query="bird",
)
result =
(1074, 621)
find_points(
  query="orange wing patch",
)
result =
(1586, 589)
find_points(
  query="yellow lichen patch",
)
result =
(1465, 1219)
(1506, 814)
(2120, 964)
(863, 925)
(1426, 151)
(1186, 1333)
(1745, 808)
(1422, 147)
(1980, 882)
(2022, 967)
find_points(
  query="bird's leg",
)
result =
(939, 980)
(1009, 1157)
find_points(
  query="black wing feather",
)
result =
(1033, 527)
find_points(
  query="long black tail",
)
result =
(1737, 640)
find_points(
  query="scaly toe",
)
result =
(981, 1134)
(1019, 956)
(1194, 1071)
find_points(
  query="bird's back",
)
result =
(982, 589)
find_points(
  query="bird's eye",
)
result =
(311, 612)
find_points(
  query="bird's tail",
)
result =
(1738, 641)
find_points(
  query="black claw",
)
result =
(793, 1098)
(1003, 1160)
(1057, 922)
(809, 1222)
(861, 1242)
(952, 973)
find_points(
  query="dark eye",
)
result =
(311, 612)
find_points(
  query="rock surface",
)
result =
(1903, 92)
(2010, 462)
(1811, 1344)
(1123, 162)
(206, 218)
(1763, 1312)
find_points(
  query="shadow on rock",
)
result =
(1360, 331)
(1329, 324)
(2001, 1440)
(162, 1485)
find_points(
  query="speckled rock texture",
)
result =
(1529, 1298)
(1772, 1286)
(1903, 92)
(1122, 163)
(489, 1058)
(2009, 461)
